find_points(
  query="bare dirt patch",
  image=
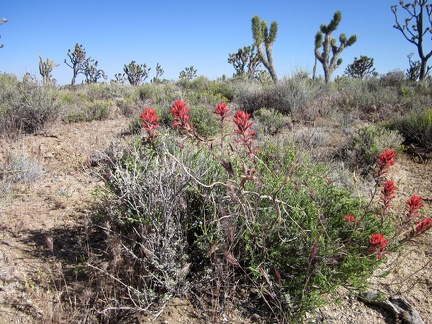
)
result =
(57, 205)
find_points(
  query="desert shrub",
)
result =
(18, 167)
(158, 93)
(415, 126)
(26, 106)
(88, 111)
(365, 96)
(251, 96)
(270, 121)
(292, 96)
(204, 120)
(365, 144)
(210, 216)
(394, 78)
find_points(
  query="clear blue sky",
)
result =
(182, 33)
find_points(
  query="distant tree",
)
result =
(324, 38)
(245, 62)
(2, 21)
(413, 28)
(119, 78)
(159, 73)
(136, 73)
(92, 73)
(45, 69)
(188, 73)
(78, 61)
(264, 37)
(361, 68)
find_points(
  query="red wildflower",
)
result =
(350, 218)
(388, 193)
(149, 119)
(378, 244)
(181, 116)
(241, 119)
(421, 226)
(221, 110)
(385, 160)
(414, 204)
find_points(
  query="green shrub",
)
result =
(26, 106)
(415, 127)
(270, 122)
(366, 144)
(204, 120)
(87, 112)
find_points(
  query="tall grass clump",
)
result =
(237, 219)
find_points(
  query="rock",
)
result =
(397, 305)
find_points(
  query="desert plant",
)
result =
(136, 73)
(414, 28)
(292, 96)
(19, 167)
(78, 61)
(159, 73)
(188, 73)
(270, 121)
(360, 68)
(212, 215)
(92, 72)
(45, 69)
(26, 106)
(366, 143)
(415, 126)
(325, 39)
(245, 62)
(265, 38)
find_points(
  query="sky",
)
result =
(183, 33)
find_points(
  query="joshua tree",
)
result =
(245, 61)
(136, 73)
(361, 67)
(92, 73)
(188, 73)
(78, 61)
(265, 37)
(2, 21)
(45, 69)
(324, 38)
(119, 78)
(159, 72)
(413, 29)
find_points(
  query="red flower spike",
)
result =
(421, 226)
(378, 244)
(414, 204)
(388, 193)
(385, 161)
(181, 116)
(350, 218)
(221, 110)
(241, 119)
(149, 119)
